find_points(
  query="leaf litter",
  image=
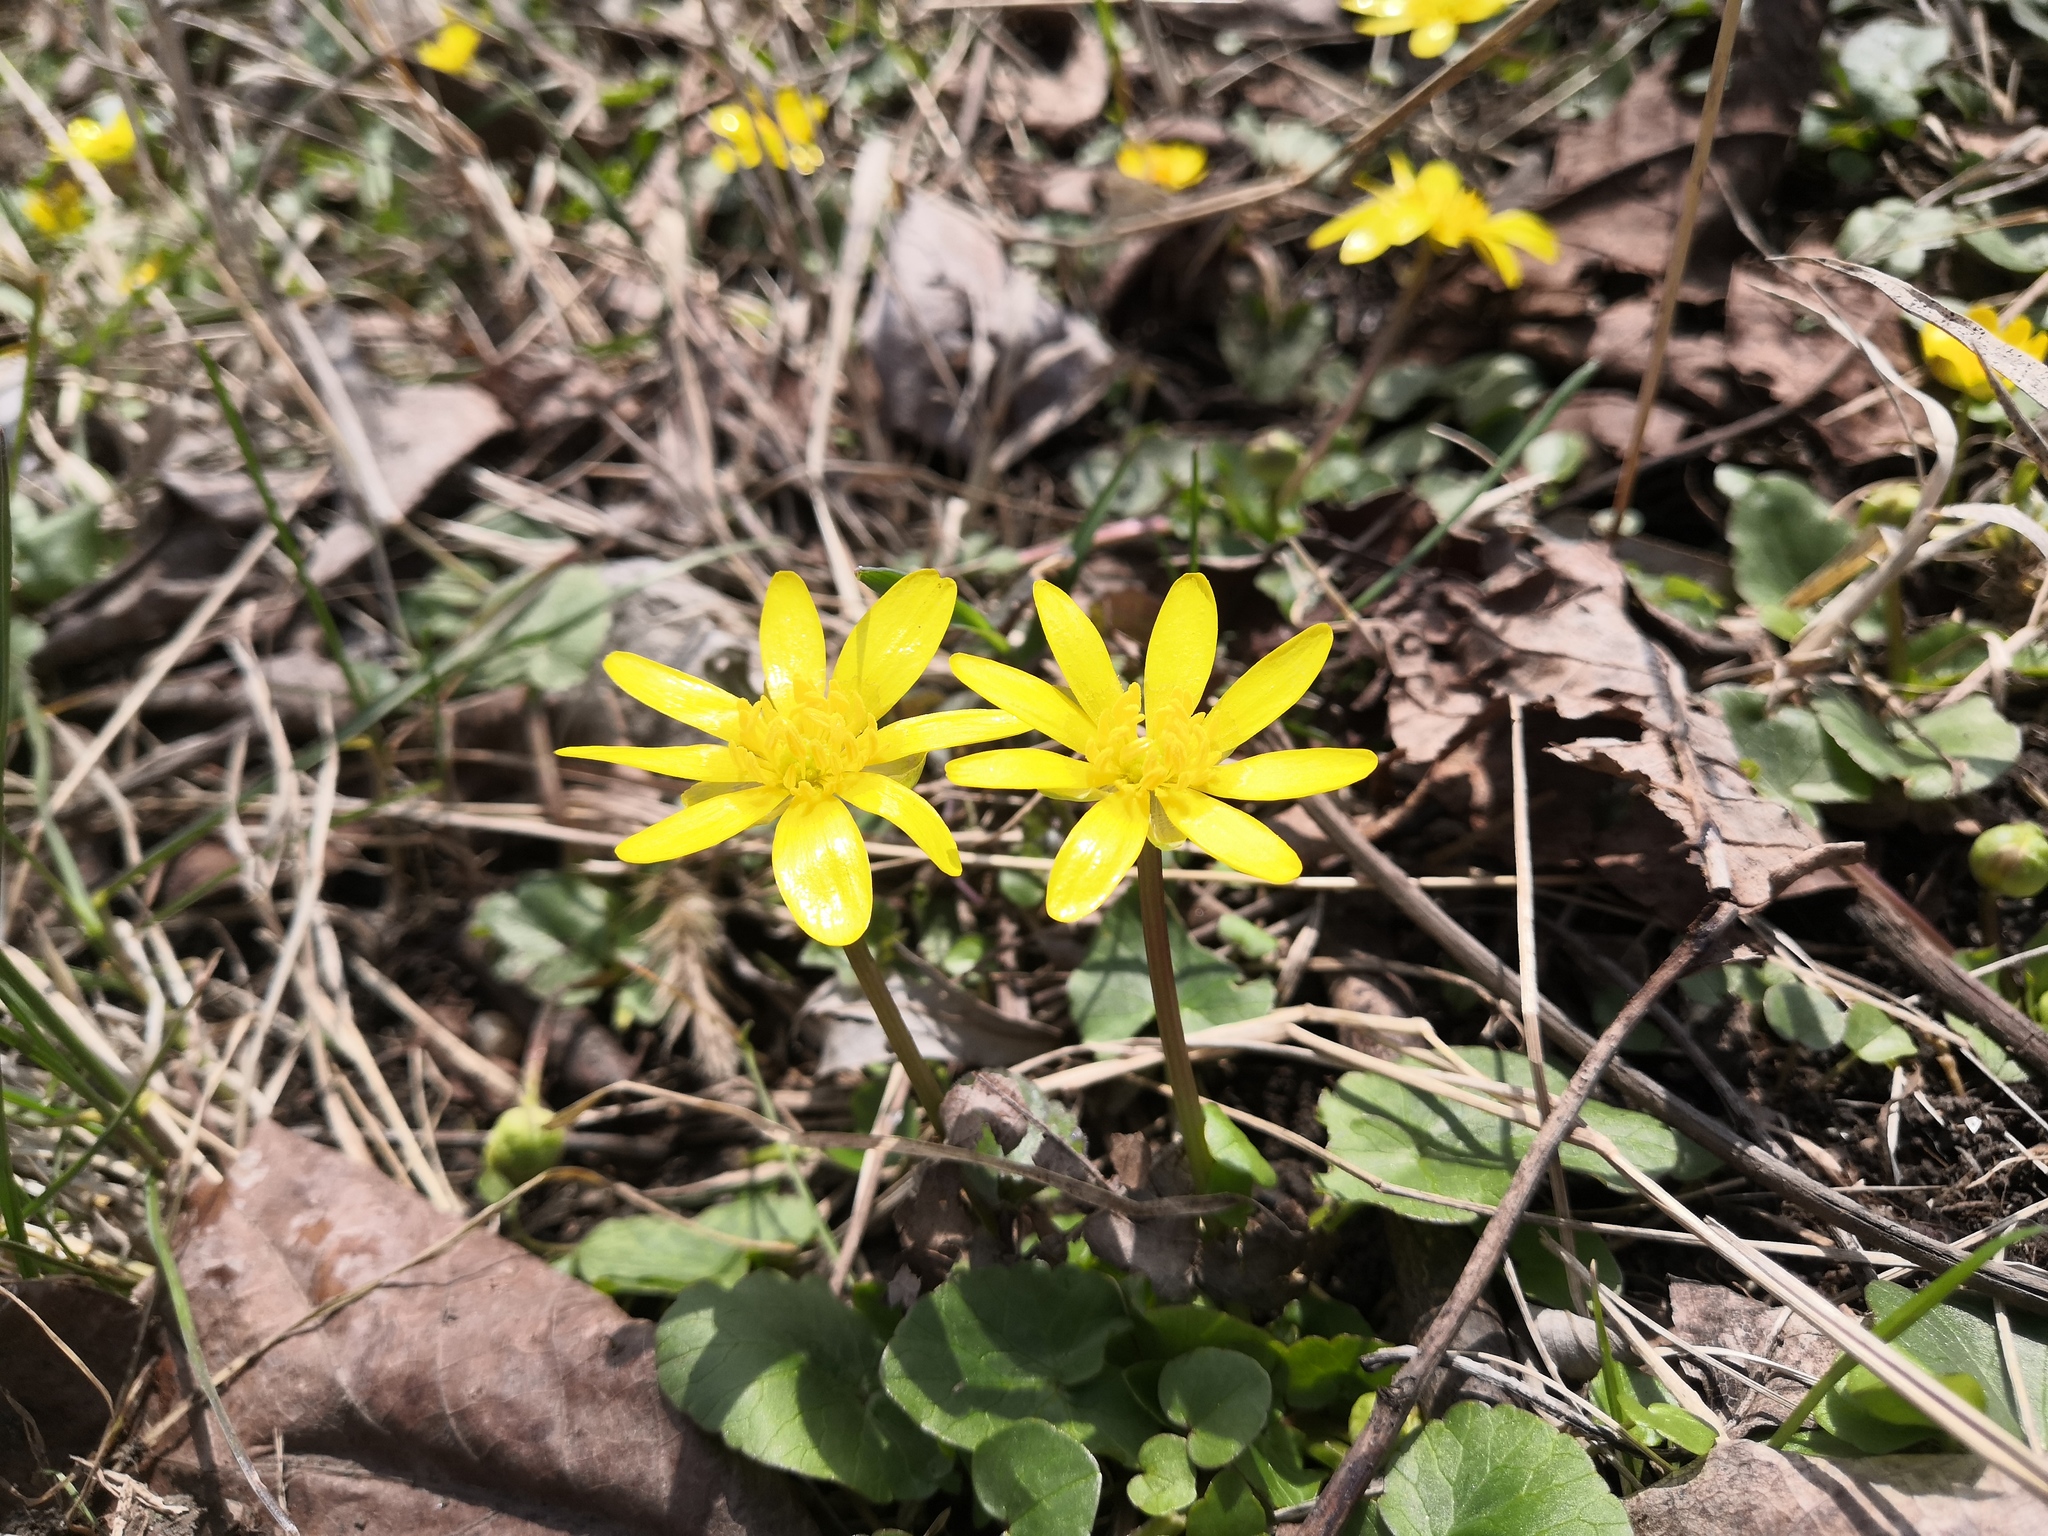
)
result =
(529, 374)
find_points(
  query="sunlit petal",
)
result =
(1021, 768)
(947, 728)
(1077, 646)
(821, 868)
(676, 694)
(712, 763)
(1182, 651)
(1103, 845)
(896, 639)
(909, 812)
(1291, 775)
(792, 639)
(1270, 687)
(904, 770)
(1031, 699)
(697, 827)
(1231, 837)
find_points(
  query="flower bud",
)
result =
(2011, 860)
(520, 1145)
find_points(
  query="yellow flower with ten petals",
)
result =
(1435, 204)
(809, 748)
(1431, 25)
(108, 143)
(1169, 164)
(748, 133)
(1961, 369)
(451, 50)
(56, 209)
(1162, 783)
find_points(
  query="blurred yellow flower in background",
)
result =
(1160, 784)
(1435, 204)
(1431, 25)
(451, 50)
(108, 143)
(808, 749)
(1168, 163)
(57, 208)
(1961, 369)
(787, 138)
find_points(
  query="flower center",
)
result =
(1172, 753)
(807, 744)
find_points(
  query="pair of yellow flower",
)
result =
(786, 136)
(1146, 755)
(57, 207)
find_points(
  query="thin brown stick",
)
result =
(1390, 1412)
(1173, 1040)
(890, 1017)
(1755, 1163)
(1681, 250)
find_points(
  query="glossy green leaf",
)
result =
(1110, 992)
(1873, 1036)
(1318, 1372)
(1780, 532)
(786, 1373)
(1888, 65)
(1236, 1165)
(1166, 1478)
(653, 1256)
(1037, 1481)
(1277, 1468)
(1228, 1508)
(1940, 755)
(1787, 755)
(1497, 1471)
(1805, 1016)
(1220, 1398)
(1423, 1142)
(991, 1346)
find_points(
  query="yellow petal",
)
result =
(676, 694)
(948, 728)
(904, 770)
(715, 764)
(1432, 39)
(1231, 837)
(821, 868)
(1021, 768)
(1270, 687)
(895, 640)
(910, 812)
(1103, 845)
(792, 639)
(699, 826)
(1182, 651)
(1290, 775)
(1031, 699)
(1077, 646)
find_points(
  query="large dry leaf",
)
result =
(1744, 1486)
(1552, 627)
(481, 1391)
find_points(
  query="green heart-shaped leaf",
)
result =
(1166, 1479)
(1220, 1398)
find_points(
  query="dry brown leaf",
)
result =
(1743, 1486)
(1552, 627)
(479, 1391)
(1720, 1317)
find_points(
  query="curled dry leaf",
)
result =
(1017, 365)
(1746, 1486)
(1553, 627)
(480, 1390)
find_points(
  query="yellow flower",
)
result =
(1431, 25)
(1435, 204)
(1160, 784)
(1171, 165)
(451, 50)
(142, 275)
(56, 209)
(788, 138)
(809, 748)
(1961, 369)
(108, 143)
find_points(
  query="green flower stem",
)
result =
(923, 1082)
(1173, 1040)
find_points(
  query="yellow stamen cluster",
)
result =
(809, 743)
